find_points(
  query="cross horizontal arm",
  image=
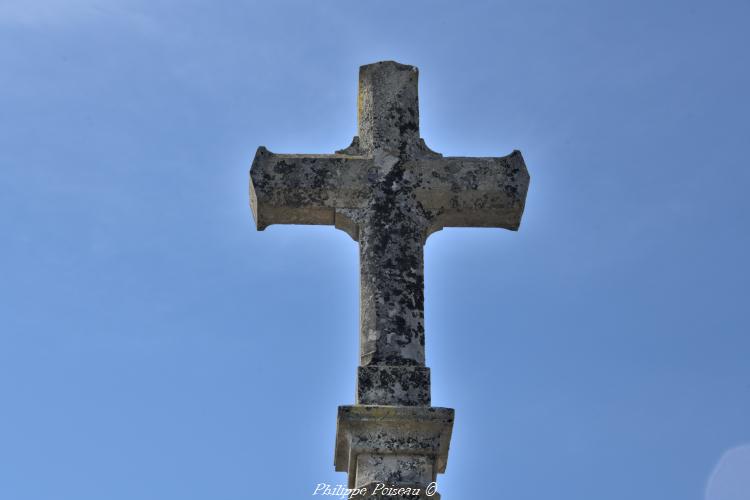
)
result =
(472, 192)
(305, 189)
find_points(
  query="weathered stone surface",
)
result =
(389, 192)
(372, 440)
(393, 385)
(394, 469)
(453, 191)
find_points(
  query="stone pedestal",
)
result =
(396, 447)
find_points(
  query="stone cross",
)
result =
(389, 192)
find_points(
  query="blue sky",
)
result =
(154, 346)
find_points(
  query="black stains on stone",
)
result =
(393, 385)
(392, 270)
(283, 167)
(391, 224)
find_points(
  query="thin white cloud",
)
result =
(730, 479)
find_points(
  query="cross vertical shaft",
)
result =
(391, 287)
(392, 230)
